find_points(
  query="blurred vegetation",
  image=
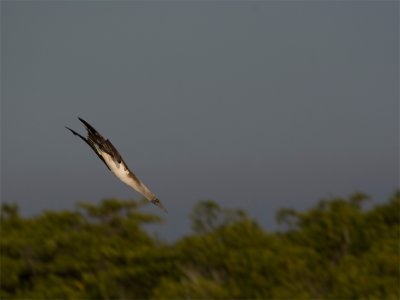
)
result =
(335, 250)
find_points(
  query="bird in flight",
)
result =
(114, 162)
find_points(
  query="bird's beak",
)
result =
(158, 203)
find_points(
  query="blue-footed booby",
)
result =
(114, 162)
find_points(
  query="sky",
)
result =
(257, 105)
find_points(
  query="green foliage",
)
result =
(335, 250)
(207, 215)
(100, 252)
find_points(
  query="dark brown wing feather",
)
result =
(96, 139)
(90, 144)
(99, 144)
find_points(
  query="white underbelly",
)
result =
(119, 170)
(122, 173)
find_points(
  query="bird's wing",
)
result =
(99, 143)
(90, 144)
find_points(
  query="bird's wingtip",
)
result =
(70, 129)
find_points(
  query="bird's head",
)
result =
(158, 203)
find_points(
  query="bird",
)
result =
(110, 156)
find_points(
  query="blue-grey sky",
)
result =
(258, 105)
